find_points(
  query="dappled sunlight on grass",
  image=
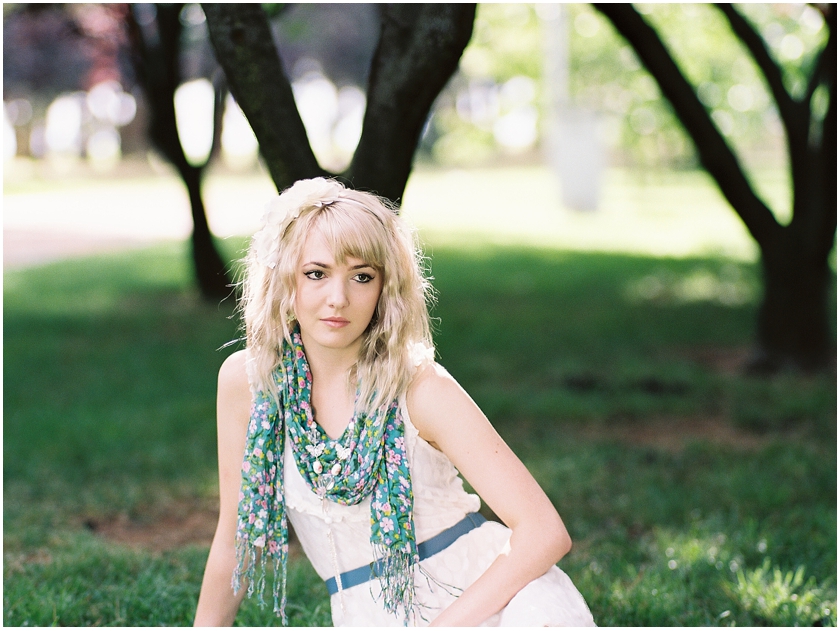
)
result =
(687, 574)
(785, 598)
(726, 285)
(660, 537)
(770, 596)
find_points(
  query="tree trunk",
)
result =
(418, 51)
(210, 270)
(793, 327)
(793, 317)
(157, 64)
(244, 46)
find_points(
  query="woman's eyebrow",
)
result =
(325, 266)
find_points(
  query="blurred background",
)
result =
(598, 296)
(549, 89)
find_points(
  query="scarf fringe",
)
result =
(252, 570)
(395, 571)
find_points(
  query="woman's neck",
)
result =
(329, 365)
(332, 394)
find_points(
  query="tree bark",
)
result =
(210, 270)
(793, 328)
(241, 36)
(418, 51)
(159, 71)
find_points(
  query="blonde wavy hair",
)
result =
(354, 224)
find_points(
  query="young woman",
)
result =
(352, 432)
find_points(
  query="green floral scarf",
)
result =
(367, 460)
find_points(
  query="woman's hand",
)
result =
(217, 604)
(447, 418)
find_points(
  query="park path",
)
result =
(683, 215)
(60, 222)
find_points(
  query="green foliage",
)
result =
(505, 43)
(606, 76)
(109, 380)
(727, 80)
(785, 598)
(504, 49)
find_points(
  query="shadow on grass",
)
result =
(109, 386)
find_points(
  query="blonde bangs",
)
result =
(357, 234)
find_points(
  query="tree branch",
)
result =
(715, 155)
(789, 110)
(418, 51)
(157, 67)
(825, 57)
(244, 47)
(828, 229)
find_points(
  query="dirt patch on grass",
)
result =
(17, 561)
(733, 361)
(723, 360)
(161, 532)
(162, 528)
(674, 435)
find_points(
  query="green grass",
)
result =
(109, 384)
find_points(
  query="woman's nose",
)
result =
(337, 297)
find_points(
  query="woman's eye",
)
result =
(314, 274)
(363, 278)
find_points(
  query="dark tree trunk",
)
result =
(210, 271)
(793, 327)
(241, 36)
(157, 66)
(418, 50)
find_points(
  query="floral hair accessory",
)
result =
(285, 208)
(421, 354)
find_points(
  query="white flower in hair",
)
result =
(421, 354)
(285, 208)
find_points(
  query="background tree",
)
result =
(793, 326)
(157, 57)
(418, 51)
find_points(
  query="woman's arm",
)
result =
(217, 604)
(447, 417)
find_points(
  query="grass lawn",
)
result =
(695, 495)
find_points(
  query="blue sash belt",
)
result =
(426, 549)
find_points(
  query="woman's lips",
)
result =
(336, 323)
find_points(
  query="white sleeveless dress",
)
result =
(440, 501)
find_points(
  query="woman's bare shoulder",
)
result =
(429, 379)
(431, 396)
(233, 375)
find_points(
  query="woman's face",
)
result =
(334, 302)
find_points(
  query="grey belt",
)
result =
(426, 549)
